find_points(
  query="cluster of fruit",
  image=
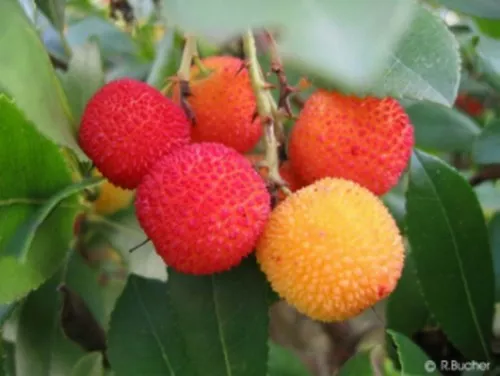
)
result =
(330, 248)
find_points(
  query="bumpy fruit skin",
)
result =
(223, 104)
(287, 173)
(332, 250)
(127, 126)
(367, 140)
(203, 207)
(111, 198)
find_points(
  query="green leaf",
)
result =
(358, 365)
(144, 338)
(488, 51)
(37, 172)
(39, 95)
(168, 57)
(478, 8)
(494, 230)
(283, 362)
(406, 311)
(395, 202)
(7, 363)
(441, 128)
(85, 280)
(41, 347)
(488, 27)
(413, 360)
(83, 78)
(425, 64)
(2, 355)
(449, 243)
(5, 312)
(42, 343)
(115, 44)
(89, 365)
(124, 233)
(303, 25)
(487, 147)
(225, 319)
(21, 242)
(53, 10)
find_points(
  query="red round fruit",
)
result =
(127, 126)
(203, 207)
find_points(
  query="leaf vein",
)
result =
(151, 327)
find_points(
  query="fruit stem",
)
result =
(190, 50)
(203, 69)
(267, 109)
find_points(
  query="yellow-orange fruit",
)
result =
(331, 250)
(223, 104)
(366, 140)
(111, 198)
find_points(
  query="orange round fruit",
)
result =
(331, 250)
(223, 104)
(366, 140)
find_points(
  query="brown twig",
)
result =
(277, 68)
(490, 172)
(487, 173)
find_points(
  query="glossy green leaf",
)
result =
(41, 347)
(425, 64)
(27, 76)
(488, 27)
(449, 243)
(124, 233)
(99, 296)
(89, 365)
(441, 128)
(83, 78)
(53, 10)
(412, 359)
(395, 202)
(7, 364)
(358, 365)
(406, 311)
(488, 50)
(144, 338)
(115, 44)
(216, 318)
(488, 194)
(487, 147)
(283, 362)
(3, 372)
(167, 60)
(479, 8)
(5, 312)
(22, 240)
(494, 230)
(42, 343)
(29, 180)
(303, 27)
